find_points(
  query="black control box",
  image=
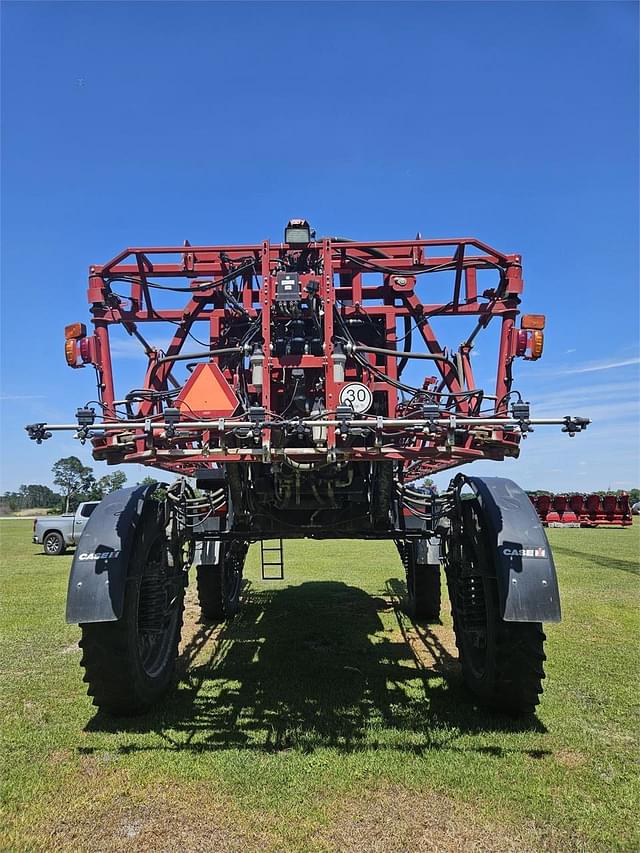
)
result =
(288, 287)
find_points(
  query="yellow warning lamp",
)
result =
(530, 337)
(75, 331)
(533, 321)
(72, 335)
(537, 344)
(71, 352)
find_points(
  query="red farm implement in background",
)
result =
(583, 510)
(289, 387)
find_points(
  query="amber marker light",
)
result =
(533, 321)
(70, 352)
(537, 344)
(75, 331)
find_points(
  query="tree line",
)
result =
(76, 483)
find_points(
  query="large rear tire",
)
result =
(129, 664)
(502, 662)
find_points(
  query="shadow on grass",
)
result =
(313, 666)
(601, 561)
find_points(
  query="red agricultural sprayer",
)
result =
(291, 390)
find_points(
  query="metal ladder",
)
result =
(276, 563)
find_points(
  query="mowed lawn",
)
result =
(323, 719)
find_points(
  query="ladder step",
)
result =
(278, 563)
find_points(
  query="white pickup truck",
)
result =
(56, 532)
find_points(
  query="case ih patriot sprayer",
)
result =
(289, 392)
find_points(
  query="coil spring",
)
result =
(151, 610)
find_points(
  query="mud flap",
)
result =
(99, 568)
(527, 581)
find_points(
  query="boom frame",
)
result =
(441, 426)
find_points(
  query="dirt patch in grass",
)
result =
(197, 634)
(393, 819)
(570, 758)
(158, 818)
(433, 646)
(191, 617)
(193, 818)
(59, 756)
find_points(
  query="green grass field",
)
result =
(323, 719)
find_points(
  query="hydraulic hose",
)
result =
(408, 336)
(186, 356)
(400, 354)
(369, 250)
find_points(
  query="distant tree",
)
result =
(33, 495)
(37, 495)
(110, 483)
(148, 481)
(75, 479)
(11, 500)
(160, 493)
(425, 485)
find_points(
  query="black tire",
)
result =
(381, 495)
(423, 584)
(220, 585)
(423, 591)
(502, 662)
(209, 580)
(131, 663)
(53, 544)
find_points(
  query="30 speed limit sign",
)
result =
(356, 395)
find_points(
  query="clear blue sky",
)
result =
(143, 123)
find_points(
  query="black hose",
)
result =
(421, 270)
(405, 355)
(376, 253)
(231, 276)
(408, 335)
(400, 385)
(187, 356)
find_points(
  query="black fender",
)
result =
(99, 568)
(526, 574)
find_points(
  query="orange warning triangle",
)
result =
(207, 394)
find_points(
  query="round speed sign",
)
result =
(356, 395)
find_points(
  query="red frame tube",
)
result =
(341, 280)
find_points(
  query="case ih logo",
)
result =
(99, 555)
(525, 552)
